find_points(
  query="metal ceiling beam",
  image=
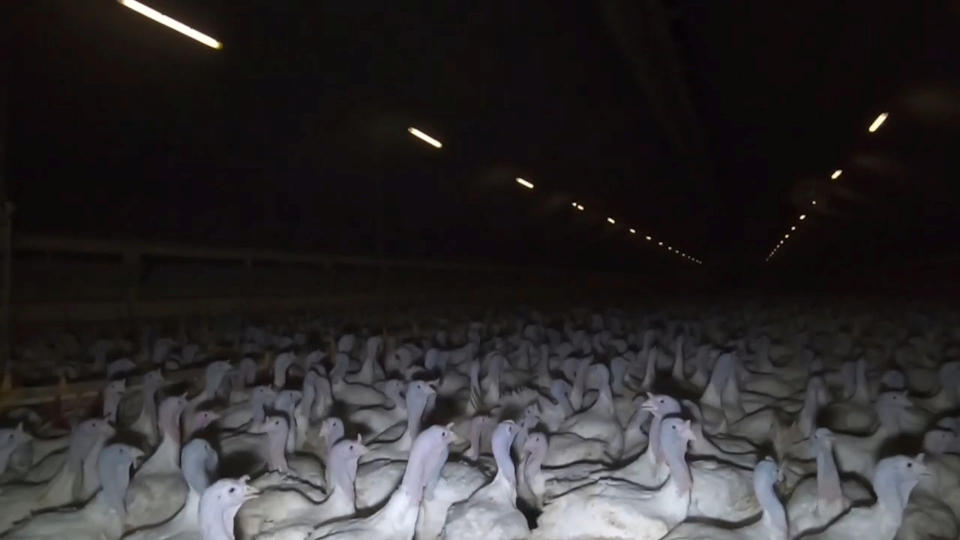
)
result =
(642, 30)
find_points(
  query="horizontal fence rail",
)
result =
(58, 279)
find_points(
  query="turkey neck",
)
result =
(892, 494)
(653, 448)
(829, 493)
(393, 393)
(675, 451)
(276, 449)
(342, 475)
(808, 416)
(149, 393)
(713, 394)
(561, 397)
(532, 462)
(637, 419)
(678, 361)
(773, 513)
(501, 453)
(650, 373)
(5, 453)
(416, 404)
(114, 479)
(474, 451)
(860, 393)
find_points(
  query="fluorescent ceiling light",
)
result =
(878, 122)
(424, 137)
(173, 24)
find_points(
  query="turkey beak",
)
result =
(213, 418)
(454, 437)
(526, 453)
(649, 406)
(250, 492)
(137, 457)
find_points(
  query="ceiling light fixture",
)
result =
(836, 174)
(611, 221)
(524, 183)
(803, 217)
(171, 23)
(881, 118)
(633, 231)
(424, 137)
(580, 207)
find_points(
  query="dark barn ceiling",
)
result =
(710, 125)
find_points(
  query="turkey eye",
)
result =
(351, 447)
(910, 465)
(232, 490)
(673, 427)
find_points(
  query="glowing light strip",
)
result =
(881, 118)
(874, 126)
(424, 137)
(173, 24)
(524, 183)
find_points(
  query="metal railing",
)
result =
(84, 279)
